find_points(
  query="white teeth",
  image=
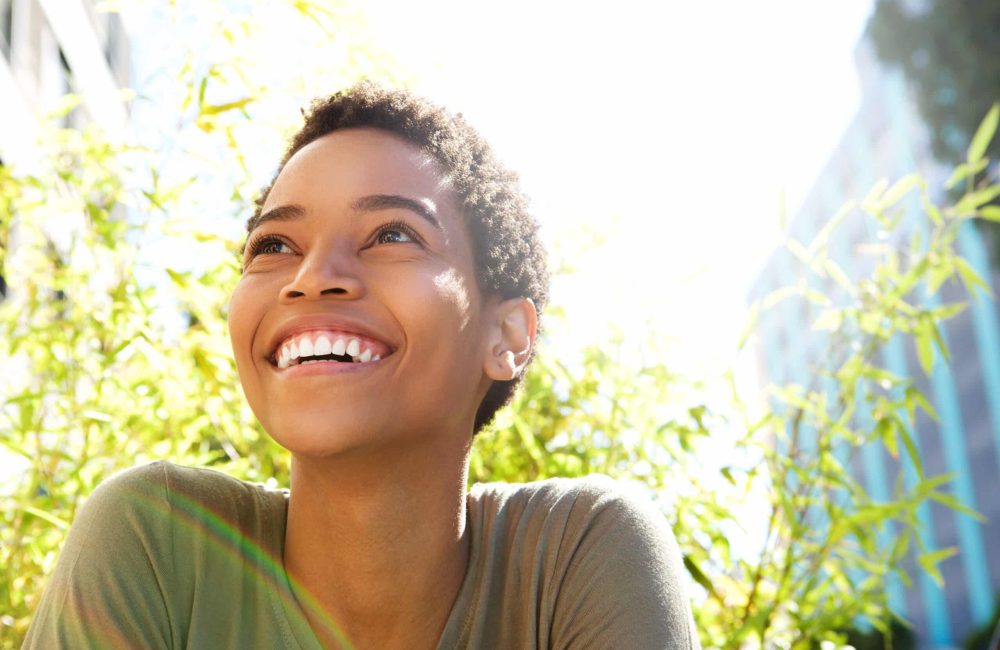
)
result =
(293, 352)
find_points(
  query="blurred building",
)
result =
(887, 139)
(49, 48)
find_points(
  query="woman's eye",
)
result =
(267, 246)
(394, 234)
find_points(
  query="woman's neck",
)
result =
(379, 542)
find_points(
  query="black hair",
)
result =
(509, 256)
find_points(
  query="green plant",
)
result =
(829, 546)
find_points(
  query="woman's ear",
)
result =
(512, 335)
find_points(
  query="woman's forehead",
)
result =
(367, 156)
(361, 166)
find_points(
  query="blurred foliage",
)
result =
(96, 379)
(901, 638)
(950, 54)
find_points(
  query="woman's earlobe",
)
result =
(514, 336)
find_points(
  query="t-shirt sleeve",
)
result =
(106, 590)
(625, 586)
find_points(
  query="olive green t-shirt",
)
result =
(163, 556)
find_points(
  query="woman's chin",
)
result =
(319, 437)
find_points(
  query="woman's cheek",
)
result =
(453, 290)
(242, 321)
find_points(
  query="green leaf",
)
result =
(984, 134)
(972, 201)
(914, 398)
(911, 447)
(699, 576)
(953, 503)
(945, 312)
(776, 296)
(899, 189)
(837, 274)
(61, 524)
(930, 560)
(815, 297)
(885, 429)
(215, 109)
(823, 236)
(965, 170)
(970, 278)
(798, 250)
(939, 340)
(990, 213)
(828, 320)
(924, 341)
(934, 213)
(874, 194)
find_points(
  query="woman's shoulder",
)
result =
(157, 499)
(587, 497)
(150, 547)
(594, 511)
(165, 480)
(591, 559)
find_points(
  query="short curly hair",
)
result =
(509, 256)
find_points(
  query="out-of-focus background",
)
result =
(799, 360)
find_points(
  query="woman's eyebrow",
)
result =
(280, 213)
(373, 202)
(370, 203)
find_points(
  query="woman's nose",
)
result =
(325, 274)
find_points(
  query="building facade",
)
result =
(887, 139)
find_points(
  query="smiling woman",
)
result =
(388, 306)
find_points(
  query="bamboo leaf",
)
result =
(953, 503)
(984, 134)
(969, 205)
(929, 561)
(875, 194)
(828, 320)
(899, 190)
(965, 170)
(699, 576)
(911, 447)
(990, 213)
(215, 109)
(838, 275)
(776, 296)
(970, 278)
(59, 523)
(925, 349)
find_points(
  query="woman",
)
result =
(388, 307)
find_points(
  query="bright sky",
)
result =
(672, 127)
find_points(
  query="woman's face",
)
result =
(358, 321)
